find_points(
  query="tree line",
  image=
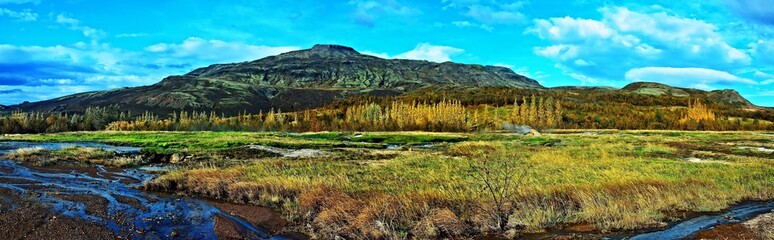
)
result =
(485, 109)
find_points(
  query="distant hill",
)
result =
(585, 88)
(728, 96)
(289, 81)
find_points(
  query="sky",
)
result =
(53, 48)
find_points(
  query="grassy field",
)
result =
(469, 184)
(72, 155)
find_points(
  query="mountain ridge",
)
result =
(290, 81)
(320, 75)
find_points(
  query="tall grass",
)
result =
(72, 154)
(619, 181)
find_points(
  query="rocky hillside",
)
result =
(334, 66)
(290, 81)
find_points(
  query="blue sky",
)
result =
(51, 48)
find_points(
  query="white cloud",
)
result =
(764, 94)
(571, 30)
(486, 14)
(367, 11)
(491, 15)
(18, 94)
(19, 1)
(763, 50)
(131, 35)
(464, 24)
(423, 51)
(511, 66)
(429, 52)
(216, 51)
(701, 78)
(75, 24)
(767, 78)
(760, 74)
(623, 39)
(583, 63)
(375, 54)
(24, 15)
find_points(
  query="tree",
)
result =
(499, 178)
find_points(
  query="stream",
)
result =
(112, 199)
(690, 227)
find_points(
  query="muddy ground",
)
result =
(60, 202)
(23, 218)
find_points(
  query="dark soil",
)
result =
(729, 231)
(226, 230)
(129, 201)
(26, 219)
(257, 216)
(95, 205)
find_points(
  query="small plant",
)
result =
(499, 177)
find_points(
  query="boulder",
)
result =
(533, 133)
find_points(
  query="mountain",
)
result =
(289, 81)
(727, 96)
(585, 88)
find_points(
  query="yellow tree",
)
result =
(533, 111)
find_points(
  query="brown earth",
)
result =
(25, 219)
(258, 216)
(729, 231)
(95, 205)
(761, 227)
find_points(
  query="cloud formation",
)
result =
(367, 11)
(423, 51)
(75, 24)
(19, 1)
(429, 52)
(607, 49)
(486, 14)
(24, 16)
(213, 51)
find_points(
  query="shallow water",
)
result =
(692, 226)
(6, 146)
(149, 216)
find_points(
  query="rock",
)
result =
(762, 225)
(533, 133)
(694, 160)
(288, 153)
(176, 158)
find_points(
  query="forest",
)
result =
(488, 109)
